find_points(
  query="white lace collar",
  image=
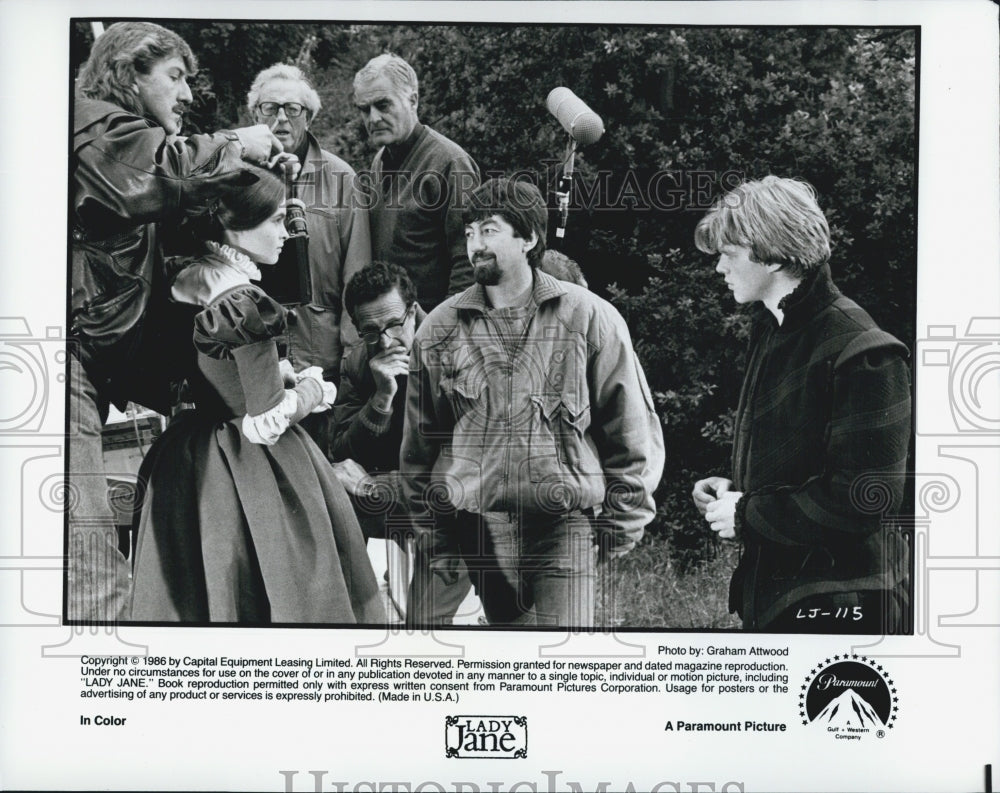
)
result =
(204, 279)
(235, 258)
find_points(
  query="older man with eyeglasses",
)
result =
(339, 245)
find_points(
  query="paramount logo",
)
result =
(496, 737)
(850, 697)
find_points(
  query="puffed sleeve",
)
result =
(242, 325)
(245, 315)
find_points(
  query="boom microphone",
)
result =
(583, 124)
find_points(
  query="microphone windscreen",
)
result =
(582, 123)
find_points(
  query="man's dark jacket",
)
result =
(821, 439)
(127, 174)
(421, 188)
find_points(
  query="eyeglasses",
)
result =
(292, 109)
(392, 329)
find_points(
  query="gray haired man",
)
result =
(282, 97)
(420, 179)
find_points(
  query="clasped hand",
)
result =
(717, 503)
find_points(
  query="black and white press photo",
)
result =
(523, 396)
(694, 428)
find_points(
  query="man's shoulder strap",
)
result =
(871, 339)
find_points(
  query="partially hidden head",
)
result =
(560, 266)
(143, 68)
(778, 219)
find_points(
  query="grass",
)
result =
(648, 588)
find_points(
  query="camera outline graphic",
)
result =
(41, 366)
(965, 368)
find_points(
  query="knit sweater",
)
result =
(416, 216)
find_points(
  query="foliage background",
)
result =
(834, 106)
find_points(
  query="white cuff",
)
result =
(329, 389)
(268, 427)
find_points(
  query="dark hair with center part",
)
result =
(234, 202)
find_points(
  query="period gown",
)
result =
(243, 520)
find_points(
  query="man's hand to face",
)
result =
(387, 325)
(386, 366)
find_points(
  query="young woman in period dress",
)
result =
(243, 520)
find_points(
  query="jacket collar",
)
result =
(313, 154)
(88, 111)
(814, 292)
(544, 288)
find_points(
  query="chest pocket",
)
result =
(562, 417)
(465, 392)
(559, 436)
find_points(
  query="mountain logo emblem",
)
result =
(849, 697)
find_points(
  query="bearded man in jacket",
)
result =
(530, 434)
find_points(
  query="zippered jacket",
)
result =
(536, 410)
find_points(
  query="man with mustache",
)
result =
(420, 180)
(282, 97)
(130, 171)
(530, 432)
